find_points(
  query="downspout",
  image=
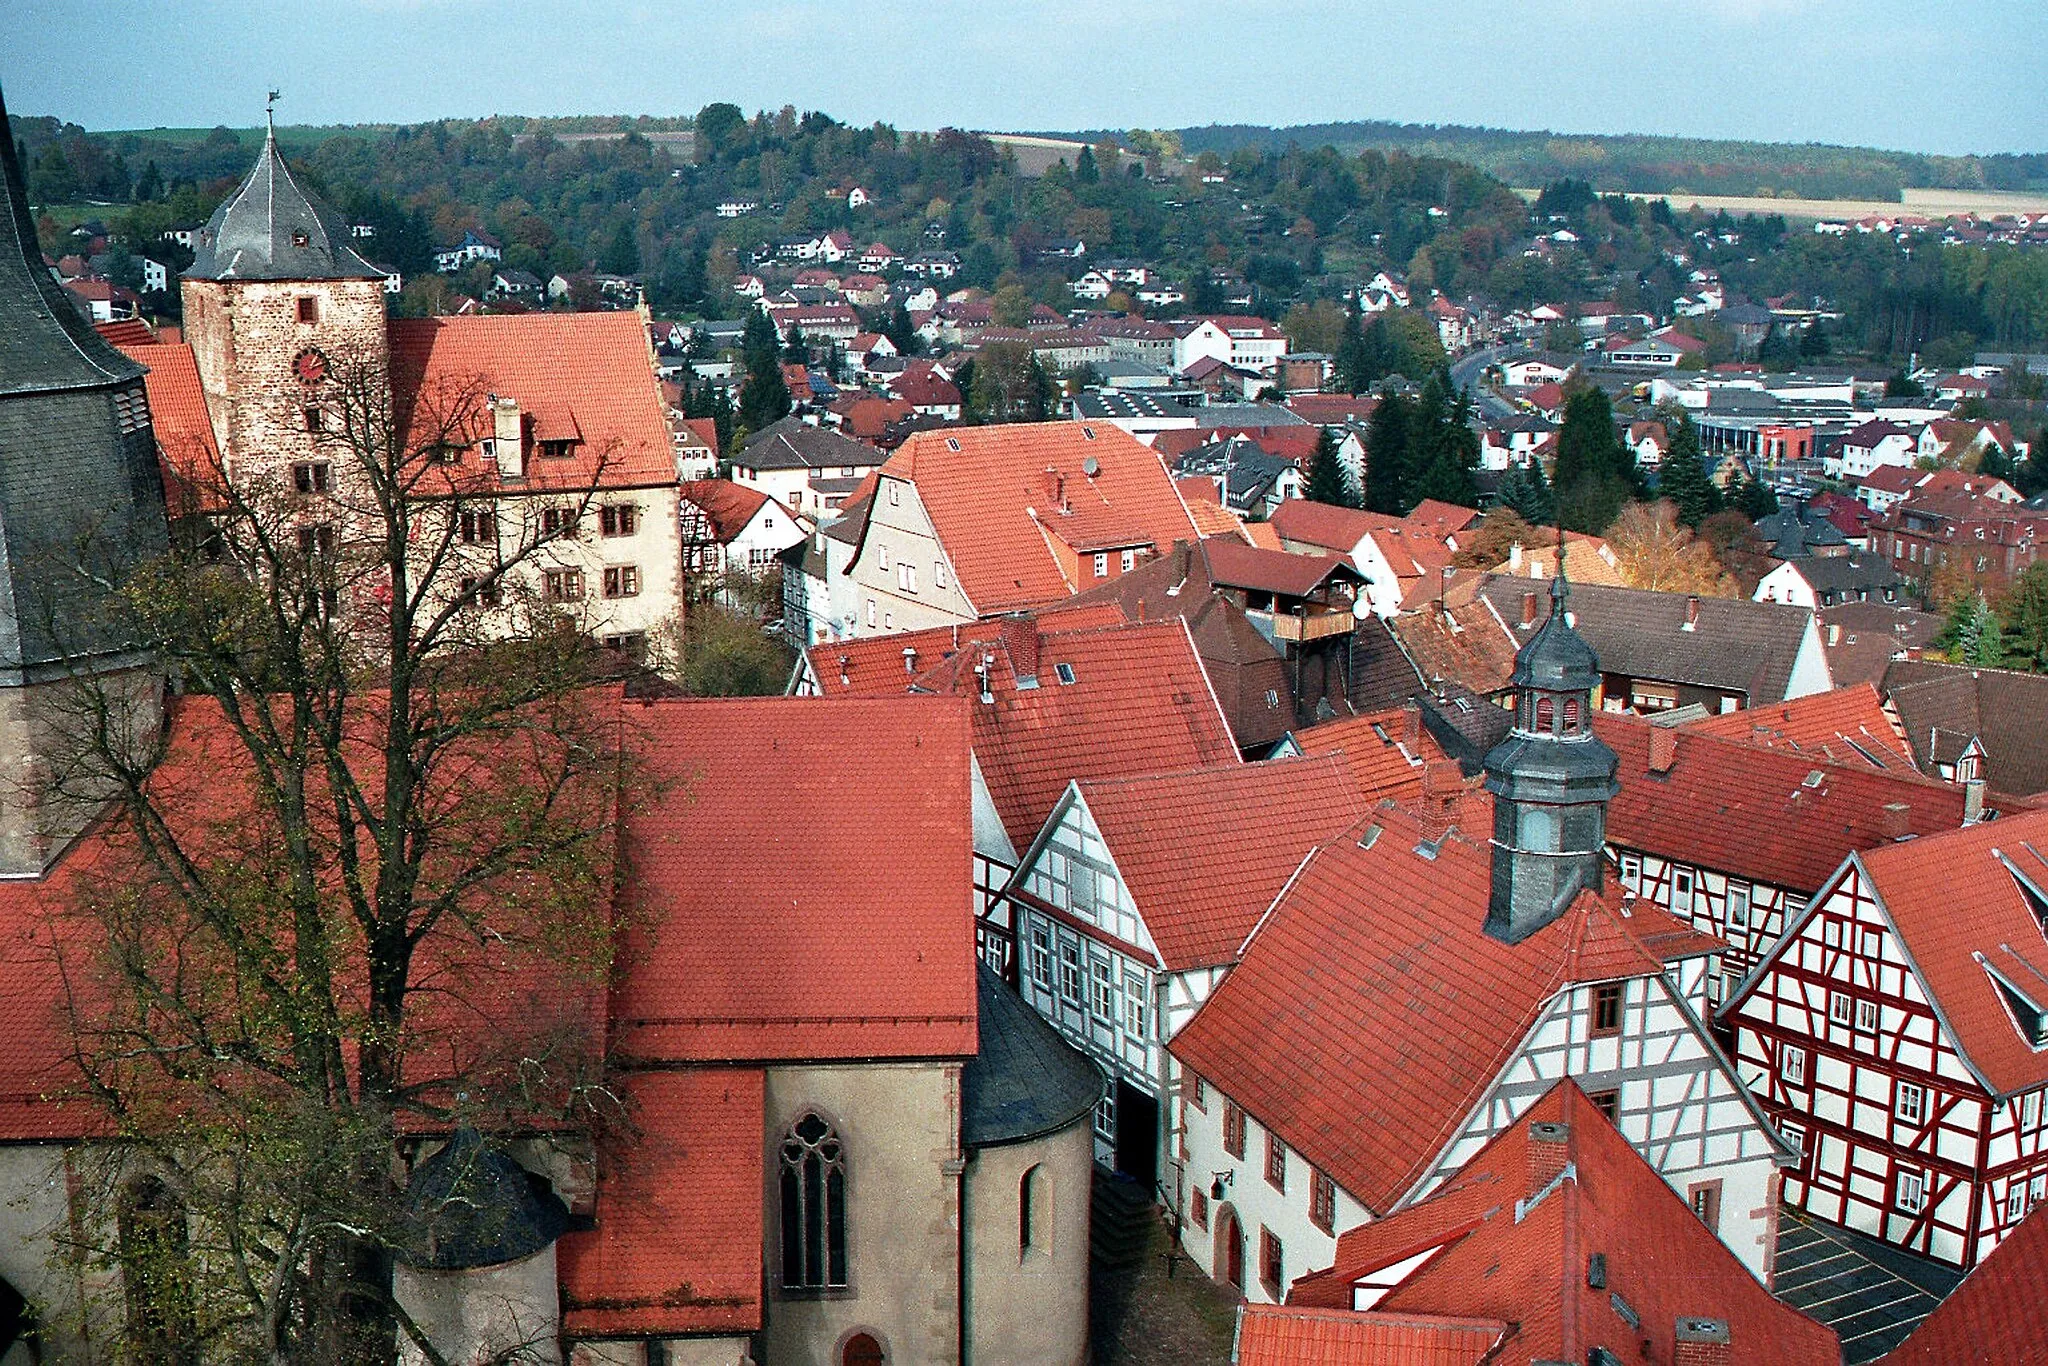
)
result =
(960, 1252)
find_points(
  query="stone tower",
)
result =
(81, 499)
(1551, 780)
(278, 306)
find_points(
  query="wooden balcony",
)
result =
(1318, 626)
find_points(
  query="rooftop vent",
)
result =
(1091, 467)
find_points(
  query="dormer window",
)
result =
(2028, 1017)
(557, 450)
(300, 239)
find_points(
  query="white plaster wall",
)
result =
(1029, 1307)
(509, 1312)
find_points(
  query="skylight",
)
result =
(2030, 1019)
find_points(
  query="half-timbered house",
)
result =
(1899, 1034)
(1417, 986)
(1136, 898)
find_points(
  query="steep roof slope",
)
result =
(775, 909)
(272, 228)
(1941, 706)
(1277, 1335)
(1371, 1009)
(1999, 1312)
(1847, 726)
(1000, 496)
(1509, 1239)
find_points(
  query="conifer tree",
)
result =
(1387, 456)
(1525, 489)
(1326, 481)
(1685, 480)
(764, 398)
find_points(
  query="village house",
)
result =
(1242, 342)
(1416, 988)
(1961, 527)
(974, 522)
(1602, 1262)
(1869, 445)
(1965, 725)
(729, 528)
(1896, 1032)
(474, 246)
(808, 469)
(1402, 560)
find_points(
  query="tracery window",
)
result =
(813, 1206)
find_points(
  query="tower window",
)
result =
(309, 309)
(1545, 714)
(316, 420)
(311, 476)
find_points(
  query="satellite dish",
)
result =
(1091, 467)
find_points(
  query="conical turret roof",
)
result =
(272, 228)
(46, 344)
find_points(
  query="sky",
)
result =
(1949, 76)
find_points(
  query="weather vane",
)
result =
(270, 109)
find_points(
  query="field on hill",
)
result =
(1926, 203)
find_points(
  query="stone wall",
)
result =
(1027, 1305)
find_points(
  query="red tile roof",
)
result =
(126, 332)
(1848, 726)
(1140, 701)
(1233, 564)
(1247, 826)
(184, 431)
(586, 375)
(677, 1244)
(1958, 909)
(1385, 756)
(1371, 1010)
(1758, 812)
(796, 896)
(1998, 1314)
(1333, 410)
(998, 511)
(1512, 1233)
(1272, 1335)
(726, 505)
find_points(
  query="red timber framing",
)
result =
(1836, 1035)
(1748, 914)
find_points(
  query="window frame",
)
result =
(619, 519)
(1909, 1103)
(312, 476)
(1841, 1009)
(1276, 1162)
(1234, 1126)
(1322, 1201)
(1792, 1063)
(1918, 1180)
(812, 1231)
(622, 581)
(1272, 1262)
(1610, 1001)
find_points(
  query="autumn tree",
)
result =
(1491, 542)
(356, 891)
(1657, 551)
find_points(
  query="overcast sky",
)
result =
(1931, 75)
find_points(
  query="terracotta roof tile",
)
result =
(677, 1245)
(1511, 1242)
(1272, 1335)
(1998, 1314)
(726, 505)
(1371, 1009)
(184, 431)
(794, 896)
(996, 508)
(1386, 760)
(1140, 701)
(1758, 812)
(587, 375)
(1847, 726)
(1252, 824)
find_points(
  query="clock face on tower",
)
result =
(309, 367)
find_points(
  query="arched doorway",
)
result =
(861, 1350)
(1229, 1248)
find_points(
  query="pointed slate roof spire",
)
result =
(46, 344)
(272, 228)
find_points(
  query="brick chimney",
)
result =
(1692, 612)
(1550, 1148)
(1896, 820)
(1442, 785)
(1663, 748)
(1411, 724)
(508, 437)
(1020, 641)
(1702, 1342)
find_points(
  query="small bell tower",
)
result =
(1551, 780)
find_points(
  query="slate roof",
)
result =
(1861, 637)
(1775, 815)
(1941, 706)
(1999, 1313)
(1371, 1010)
(793, 444)
(582, 376)
(677, 1244)
(1794, 533)
(272, 228)
(471, 1205)
(1958, 910)
(1514, 1230)
(1251, 471)
(1252, 823)
(1738, 645)
(999, 497)
(1849, 576)
(1140, 701)
(1846, 726)
(1132, 403)
(1027, 1081)
(773, 913)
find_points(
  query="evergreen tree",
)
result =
(1387, 456)
(901, 334)
(1753, 500)
(1326, 481)
(622, 256)
(2026, 620)
(1525, 489)
(1086, 172)
(1443, 448)
(764, 398)
(1350, 361)
(796, 350)
(1685, 480)
(1973, 635)
(1595, 472)
(1814, 341)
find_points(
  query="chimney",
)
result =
(1702, 1342)
(1973, 800)
(1692, 612)
(1834, 633)
(1515, 558)
(1442, 785)
(1020, 640)
(1663, 748)
(1528, 607)
(1411, 724)
(508, 437)
(1895, 822)
(1549, 1152)
(910, 659)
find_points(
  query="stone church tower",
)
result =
(278, 309)
(81, 499)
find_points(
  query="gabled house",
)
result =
(1556, 1242)
(1898, 1034)
(1419, 984)
(729, 528)
(807, 469)
(1967, 724)
(1402, 559)
(977, 521)
(1869, 445)
(1135, 899)
(1087, 697)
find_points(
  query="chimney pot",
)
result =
(1702, 1342)
(508, 437)
(1663, 749)
(1897, 819)
(1973, 800)
(1549, 1150)
(1020, 639)
(1411, 724)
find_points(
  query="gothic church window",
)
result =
(813, 1206)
